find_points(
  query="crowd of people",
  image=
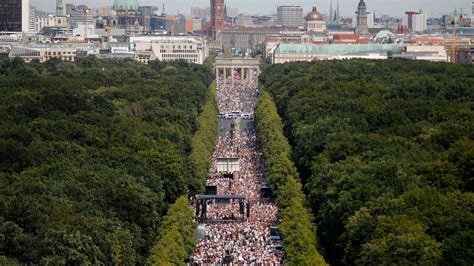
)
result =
(246, 241)
(237, 95)
(230, 211)
(247, 181)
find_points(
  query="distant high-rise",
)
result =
(31, 26)
(69, 8)
(60, 8)
(472, 14)
(419, 22)
(217, 18)
(290, 16)
(362, 27)
(371, 19)
(15, 15)
(202, 13)
(415, 21)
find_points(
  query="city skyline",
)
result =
(385, 7)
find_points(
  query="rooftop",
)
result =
(337, 49)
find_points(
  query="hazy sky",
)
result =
(392, 7)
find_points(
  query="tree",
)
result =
(374, 141)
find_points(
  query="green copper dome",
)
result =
(125, 5)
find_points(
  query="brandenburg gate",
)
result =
(247, 67)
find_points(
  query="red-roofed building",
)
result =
(349, 39)
(427, 40)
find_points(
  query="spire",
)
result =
(330, 13)
(338, 16)
(225, 10)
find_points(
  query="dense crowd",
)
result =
(237, 95)
(248, 180)
(246, 239)
(229, 211)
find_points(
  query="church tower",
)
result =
(331, 12)
(217, 18)
(362, 27)
(60, 8)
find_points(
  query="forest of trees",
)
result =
(296, 227)
(385, 152)
(92, 153)
(202, 145)
(176, 239)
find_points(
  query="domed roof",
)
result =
(383, 34)
(362, 3)
(314, 15)
(125, 5)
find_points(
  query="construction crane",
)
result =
(454, 41)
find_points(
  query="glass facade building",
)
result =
(14, 15)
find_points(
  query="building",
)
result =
(362, 27)
(69, 8)
(370, 20)
(290, 16)
(415, 21)
(84, 31)
(299, 37)
(15, 15)
(314, 22)
(164, 24)
(472, 14)
(31, 26)
(408, 20)
(348, 39)
(245, 38)
(197, 24)
(202, 13)
(160, 23)
(146, 13)
(232, 12)
(79, 14)
(41, 22)
(284, 53)
(165, 48)
(51, 21)
(60, 8)
(419, 22)
(182, 25)
(433, 53)
(127, 12)
(44, 53)
(217, 18)
(464, 55)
